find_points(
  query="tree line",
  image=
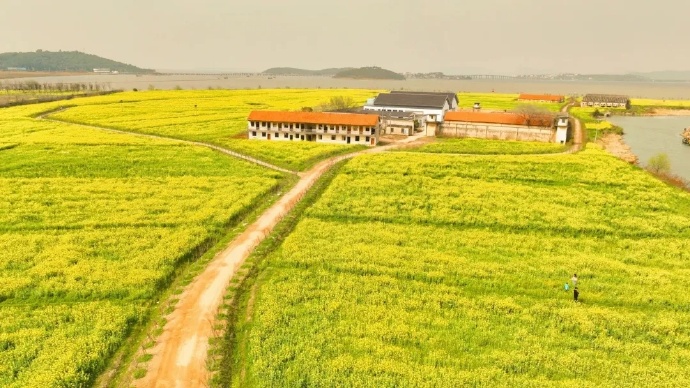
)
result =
(32, 86)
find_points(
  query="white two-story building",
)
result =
(428, 108)
(321, 127)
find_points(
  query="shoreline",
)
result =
(668, 112)
(616, 146)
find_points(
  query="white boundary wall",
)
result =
(497, 131)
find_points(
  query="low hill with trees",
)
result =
(71, 61)
(369, 73)
(296, 71)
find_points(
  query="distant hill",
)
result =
(296, 71)
(369, 73)
(72, 61)
(667, 75)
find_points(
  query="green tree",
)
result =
(340, 103)
(659, 164)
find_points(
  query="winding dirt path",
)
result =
(179, 356)
(180, 353)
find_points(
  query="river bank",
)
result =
(669, 112)
(616, 146)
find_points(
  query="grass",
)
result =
(446, 270)
(593, 126)
(499, 101)
(487, 147)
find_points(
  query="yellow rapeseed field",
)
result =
(213, 116)
(93, 226)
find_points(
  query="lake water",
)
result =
(649, 136)
(662, 90)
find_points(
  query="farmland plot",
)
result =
(93, 226)
(447, 271)
(213, 116)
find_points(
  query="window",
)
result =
(254, 134)
(332, 137)
(263, 123)
(290, 126)
(320, 137)
(367, 139)
(285, 135)
(263, 134)
(356, 138)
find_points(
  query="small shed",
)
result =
(562, 129)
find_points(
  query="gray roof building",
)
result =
(452, 97)
(413, 100)
(606, 98)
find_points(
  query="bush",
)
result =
(659, 164)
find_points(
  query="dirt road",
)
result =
(578, 133)
(179, 356)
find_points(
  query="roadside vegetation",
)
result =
(93, 228)
(444, 270)
(594, 122)
(217, 117)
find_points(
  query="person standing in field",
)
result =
(574, 280)
(576, 294)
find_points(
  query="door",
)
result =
(373, 141)
(269, 136)
(290, 137)
(348, 140)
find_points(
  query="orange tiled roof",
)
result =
(497, 118)
(315, 118)
(542, 97)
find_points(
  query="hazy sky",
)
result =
(454, 36)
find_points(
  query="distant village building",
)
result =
(553, 98)
(335, 128)
(499, 126)
(17, 69)
(101, 71)
(428, 108)
(606, 100)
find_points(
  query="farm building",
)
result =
(499, 125)
(562, 128)
(452, 97)
(606, 100)
(337, 128)
(429, 109)
(541, 98)
(397, 123)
